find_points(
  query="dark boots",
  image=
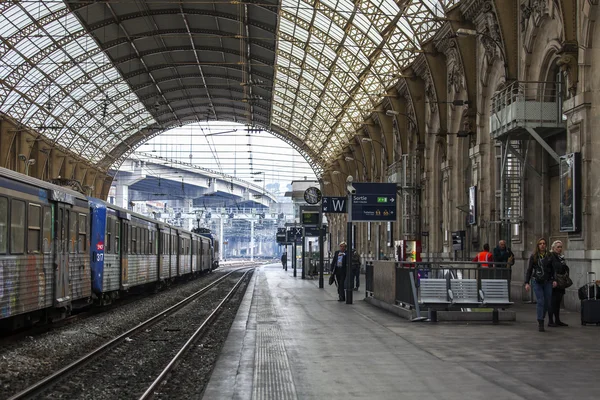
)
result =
(551, 323)
(557, 319)
(541, 325)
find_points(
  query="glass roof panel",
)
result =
(357, 75)
(61, 82)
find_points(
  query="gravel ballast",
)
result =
(33, 358)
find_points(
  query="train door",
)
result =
(125, 237)
(62, 290)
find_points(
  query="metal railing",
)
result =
(369, 277)
(444, 270)
(522, 104)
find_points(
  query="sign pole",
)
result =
(349, 251)
(321, 250)
(294, 253)
(321, 257)
(303, 255)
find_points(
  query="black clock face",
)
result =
(312, 195)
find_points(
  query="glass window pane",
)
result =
(48, 229)
(17, 227)
(34, 223)
(82, 239)
(3, 224)
(73, 232)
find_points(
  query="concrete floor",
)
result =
(292, 340)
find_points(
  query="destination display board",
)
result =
(374, 202)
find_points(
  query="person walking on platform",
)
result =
(558, 264)
(484, 256)
(284, 261)
(339, 264)
(543, 280)
(355, 269)
(503, 254)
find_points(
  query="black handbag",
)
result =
(563, 281)
(331, 278)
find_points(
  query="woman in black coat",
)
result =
(559, 265)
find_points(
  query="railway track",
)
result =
(119, 350)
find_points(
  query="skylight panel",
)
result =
(361, 22)
(322, 22)
(286, 26)
(17, 20)
(389, 8)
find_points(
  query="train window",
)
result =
(34, 228)
(145, 241)
(108, 239)
(151, 242)
(17, 227)
(117, 235)
(83, 246)
(47, 229)
(134, 240)
(72, 232)
(3, 224)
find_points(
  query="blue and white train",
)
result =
(61, 250)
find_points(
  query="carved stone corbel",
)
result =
(569, 69)
(456, 76)
(430, 94)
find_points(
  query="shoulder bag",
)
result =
(563, 281)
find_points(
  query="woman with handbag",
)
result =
(561, 271)
(543, 281)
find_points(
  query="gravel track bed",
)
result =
(33, 358)
(189, 378)
(127, 370)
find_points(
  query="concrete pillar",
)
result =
(122, 196)
(252, 240)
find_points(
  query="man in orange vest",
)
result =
(484, 255)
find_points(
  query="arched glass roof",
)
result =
(100, 78)
(56, 80)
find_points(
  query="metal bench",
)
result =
(434, 291)
(494, 292)
(463, 292)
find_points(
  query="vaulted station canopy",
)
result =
(101, 77)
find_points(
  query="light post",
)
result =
(349, 159)
(464, 32)
(349, 244)
(392, 113)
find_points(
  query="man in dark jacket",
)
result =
(339, 264)
(284, 261)
(503, 254)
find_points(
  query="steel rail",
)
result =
(149, 392)
(50, 380)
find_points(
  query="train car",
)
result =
(164, 249)
(60, 250)
(44, 243)
(196, 253)
(185, 255)
(213, 244)
(207, 260)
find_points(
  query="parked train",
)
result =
(61, 250)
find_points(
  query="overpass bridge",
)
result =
(150, 178)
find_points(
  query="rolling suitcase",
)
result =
(590, 307)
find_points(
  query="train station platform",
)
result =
(292, 340)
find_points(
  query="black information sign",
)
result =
(374, 202)
(310, 218)
(280, 236)
(294, 235)
(335, 205)
(458, 240)
(311, 231)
